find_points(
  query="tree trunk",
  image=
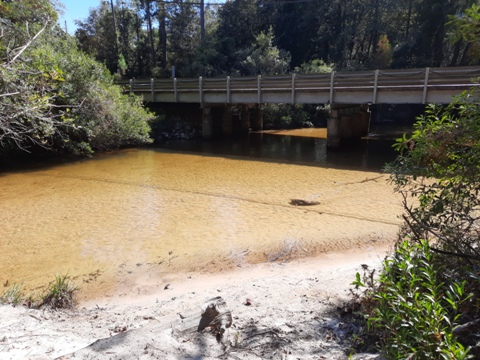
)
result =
(162, 17)
(150, 34)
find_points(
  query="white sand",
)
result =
(290, 316)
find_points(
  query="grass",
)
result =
(60, 294)
(12, 295)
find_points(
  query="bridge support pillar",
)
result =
(245, 118)
(227, 121)
(347, 123)
(207, 123)
(258, 118)
(333, 129)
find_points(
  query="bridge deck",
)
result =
(406, 86)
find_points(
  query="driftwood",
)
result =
(215, 315)
(300, 202)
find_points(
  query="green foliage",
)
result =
(315, 66)
(55, 97)
(122, 64)
(466, 28)
(415, 311)
(60, 294)
(264, 58)
(351, 34)
(185, 35)
(437, 175)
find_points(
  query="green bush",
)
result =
(56, 98)
(415, 311)
(102, 116)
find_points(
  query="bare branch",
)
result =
(24, 47)
(10, 94)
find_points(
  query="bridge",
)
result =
(348, 93)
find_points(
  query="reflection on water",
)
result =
(110, 220)
(368, 154)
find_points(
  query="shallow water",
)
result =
(190, 206)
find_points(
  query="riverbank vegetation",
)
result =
(425, 303)
(53, 97)
(59, 294)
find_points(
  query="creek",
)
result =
(130, 218)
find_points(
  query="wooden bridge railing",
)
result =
(360, 86)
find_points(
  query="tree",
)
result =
(28, 113)
(238, 24)
(148, 11)
(97, 37)
(184, 34)
(56, 98)
(383, 56)
(263, 58)
(466, 28)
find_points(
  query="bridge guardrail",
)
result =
(364, 81)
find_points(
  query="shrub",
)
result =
(414, 310)
(437, 175)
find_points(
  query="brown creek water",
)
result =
(135, 216)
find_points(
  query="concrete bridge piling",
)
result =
(250, 118)
(347, 122)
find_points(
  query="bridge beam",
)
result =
(347, 122)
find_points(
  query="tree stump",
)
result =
(215, 315)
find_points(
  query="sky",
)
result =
(76, 10)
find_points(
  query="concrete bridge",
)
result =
(348, 93)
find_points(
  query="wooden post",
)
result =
(152, 86)
(293, 88)
(425, 85)
(259, 89)
(374, 100)
(332, 84)
(200, 89)
(175, 89)
(228, 90)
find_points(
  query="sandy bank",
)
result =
(290, 316)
